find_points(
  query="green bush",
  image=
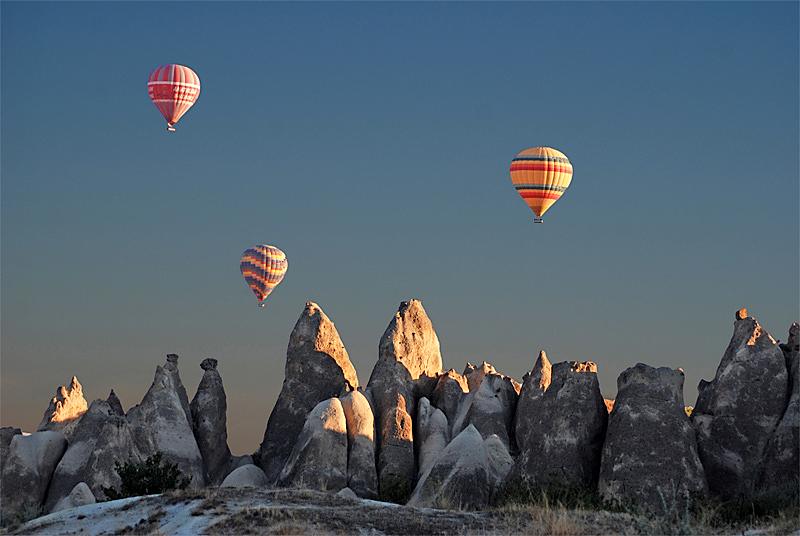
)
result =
(147, 478)
(394, 489)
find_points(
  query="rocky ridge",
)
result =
(447, 439)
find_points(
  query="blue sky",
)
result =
(371, 143)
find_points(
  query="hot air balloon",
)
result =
(540, 175)
(263, 267)
(173, 89)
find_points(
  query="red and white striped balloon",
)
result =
(173, 89)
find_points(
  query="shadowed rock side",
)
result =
(209, 422)
(7, 433)
(560, 422)
(737, 412)
(30, 463)
(464, 474)
(450, 389)
(65, 409)
(489, 405)
(409, 362)
(317, 368)
(780, 468)
(650, 455)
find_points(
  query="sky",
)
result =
(371, 141)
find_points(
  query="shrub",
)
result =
(146, 478)
(556, 490)
(394, 489)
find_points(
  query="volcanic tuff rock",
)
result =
(450, 389)
(560, 422)
(780, 467)
(737, 412)
(409, 361)
(65, 409)
(317, 368)
(489, 405)
(29, 467)
(246, 476)
(650, 454)
(319, 458)
(362, 476)
(105, 435)
(464, 474)
(80, 495)
(209, 422)
(432, 434)
(7, 433)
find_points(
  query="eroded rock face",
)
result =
(448, 393)
(105, 435)
(7, 433)
(432, 434)
(489, 405)
(80, 495)
(246, 476)
(780, 466)
(319, 458)
(65, 409)
(30, 463)
(650, 454)
(738, 411)
(164, 419)
(560, 422)
(209, 422)
(465, 473)
(409, 363)
(362, 475)
(317, 368)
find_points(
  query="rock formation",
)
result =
(7, 433)
(317, 368)
(362, 476)
(246, 476)
(738, 411)
(450, 389)
(80, 495)
(65, 409)
(465, 473)
(650, 455)
(29, 467)
(432, 434)
(105, 435)
(780, 466)
(489, 405)
(319, 457)
(209, 422)
(409, 363)
(560, 422)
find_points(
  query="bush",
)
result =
(556, 490)
(147, 478)
(394, 489)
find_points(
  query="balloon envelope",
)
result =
(173, 89)
(541, 175)
(263, 267)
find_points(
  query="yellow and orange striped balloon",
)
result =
(263, 267)
(540, 175)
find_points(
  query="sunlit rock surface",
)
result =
(317, 368)
(738, 411)
(65, 409)
(650, 454)
(362, 475)
(319, 457)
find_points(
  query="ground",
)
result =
(265, 511)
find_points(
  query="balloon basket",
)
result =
(171, 128)
(538, 220)
(261, 304)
